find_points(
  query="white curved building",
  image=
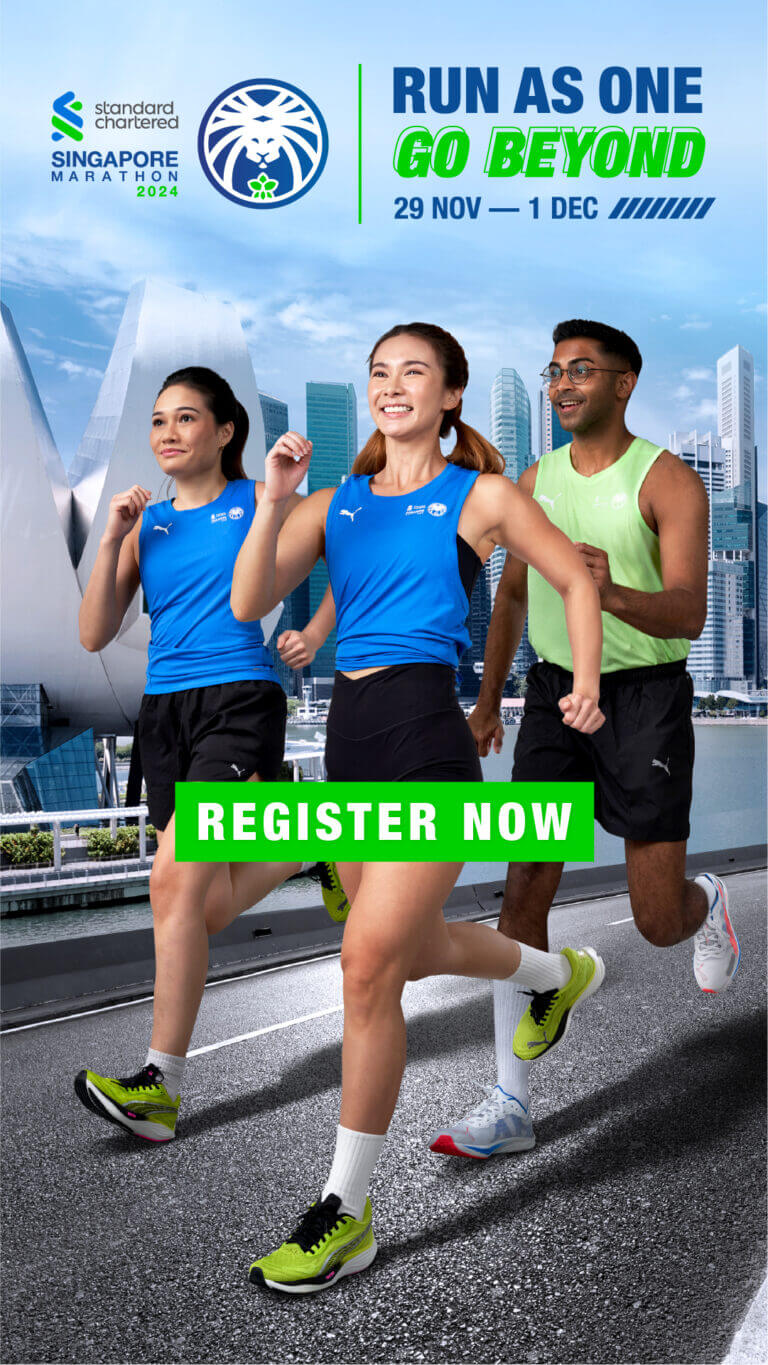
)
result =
(51, 526)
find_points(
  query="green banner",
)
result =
(386, 822)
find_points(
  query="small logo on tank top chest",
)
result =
(218, 516)
(415, 509)
(618, 500)
(437, 509)
(542, 497)
(346, 513)
(235, 513)
(166, 529)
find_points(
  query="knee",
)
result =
(165, 893)
(658, 920)
(371, 976)
(161, 887)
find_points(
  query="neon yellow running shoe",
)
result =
(139, 1103)
(334, 896)
(326, 1246)
(548, 1017)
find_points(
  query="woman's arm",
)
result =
(499, 513)
(297, 648)
(273, 561)
(115, 574)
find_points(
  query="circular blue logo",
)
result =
(262, 143)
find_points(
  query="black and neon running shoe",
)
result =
(334, 896)
(141, 1104)
(548, 1017)
(326, 1246)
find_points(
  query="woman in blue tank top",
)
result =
(404, 537)
(213, 709)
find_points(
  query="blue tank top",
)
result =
(400, 575)
(186, 561)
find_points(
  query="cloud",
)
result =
(682, 391)
(699, 375)
(695, 325)
(41, 353)
(71, 368)
(87, 345)
(706, 409)
(315, 319)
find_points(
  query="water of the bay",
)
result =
(729, 806)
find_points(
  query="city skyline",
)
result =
(313, 288)
(736, 572)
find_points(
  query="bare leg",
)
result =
(666, 907)
(178, 892)
(189, 902)
(396, 931)
(528, 896)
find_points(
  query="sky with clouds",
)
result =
(312, 287)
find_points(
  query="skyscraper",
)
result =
(762, 593)
(332, 429)
(736, 414)
(736, 428)
(703, 453)
(275, 414)
(295, 612)
(551, 434)
(511, 435)
(478, 622)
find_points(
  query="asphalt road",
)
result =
(634, 1231)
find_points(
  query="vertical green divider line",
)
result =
(359, 142)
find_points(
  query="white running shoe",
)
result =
(716, 952)
(498, 1124)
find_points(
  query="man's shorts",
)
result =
(222, 733)
(641, 758)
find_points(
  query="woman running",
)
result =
(213, 709)
(404, 538)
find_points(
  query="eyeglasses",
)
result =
(578, 373)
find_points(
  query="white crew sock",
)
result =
(541, 971)
(171, 1067)
(355, 1156)
(509, 1006)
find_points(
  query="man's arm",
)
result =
(674, 499)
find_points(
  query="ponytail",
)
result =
(232, 454)
(471, 450)
(221, 401)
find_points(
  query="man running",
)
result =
(638, 516)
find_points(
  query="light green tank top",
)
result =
(602, 511)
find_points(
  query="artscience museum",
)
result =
(56, 698)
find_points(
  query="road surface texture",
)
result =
(632, 1232)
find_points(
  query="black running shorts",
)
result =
(401, 724)
(640, 760)
(222, 733)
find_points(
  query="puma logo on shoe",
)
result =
(351, 515)
(657, 763)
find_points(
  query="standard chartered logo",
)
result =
(66, 118)
(262, 143)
